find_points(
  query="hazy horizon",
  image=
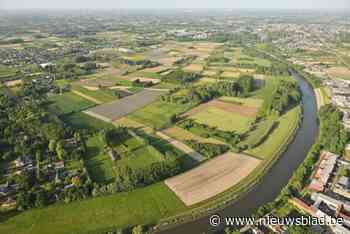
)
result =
(178, 4)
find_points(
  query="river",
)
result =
(276, 178)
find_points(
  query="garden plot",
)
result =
(117, 109)
(339, 72)
(212, 178)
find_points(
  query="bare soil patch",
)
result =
(212, 177)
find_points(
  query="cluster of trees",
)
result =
(206, 131)
(284, 94)
(180, 77)
(208, 150)
(32, 195)
(128, 178)
(144, 84)
(207, 92)
(333, 136)
(186, 60)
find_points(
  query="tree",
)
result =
(60, 151)
(40, 199)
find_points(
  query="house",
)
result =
(323, 171)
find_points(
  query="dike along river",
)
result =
(278, 175)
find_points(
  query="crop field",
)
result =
(120, 108)
(230, 74)
(68, 103)
(193, 68)
(339, 72)
(98, 162)
(129, 123)
(212, 177)
(229, 106)
(81, 120)
(136, 154)
(141, 206)
(157, 114)
(224, 120)
(183, 135)
(99, 95)
(286, 123)
(247, 102)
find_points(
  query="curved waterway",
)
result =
(278, 175)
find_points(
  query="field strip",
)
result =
(181, 146)
(319, 98)
(97, 116)
(229, 107)
(212, 177)
(87, 97)
(117, 109)
(126, 88)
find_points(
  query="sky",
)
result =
(140, 4)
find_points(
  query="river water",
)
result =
(276, 178)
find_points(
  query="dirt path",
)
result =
(87, 97)
(179, 145)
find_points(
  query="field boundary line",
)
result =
(87, 97)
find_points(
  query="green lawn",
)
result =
(98, 163)
(68, 103)
(81, 121)
(157, 114)
(223, 120)
(276, 139)
(102, 95)
(141, 206)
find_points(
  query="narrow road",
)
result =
(181, 146)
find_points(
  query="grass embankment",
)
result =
(141, 206)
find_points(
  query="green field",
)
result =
(132, 152)
(7, 72)
(98, 162)
(68, 103)
(81, 121)
(276, 139)
(102, 95)
(136, 154)
(260, 133)
(223, 120)
(249, 102)
(141, 206)
(157, 114)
